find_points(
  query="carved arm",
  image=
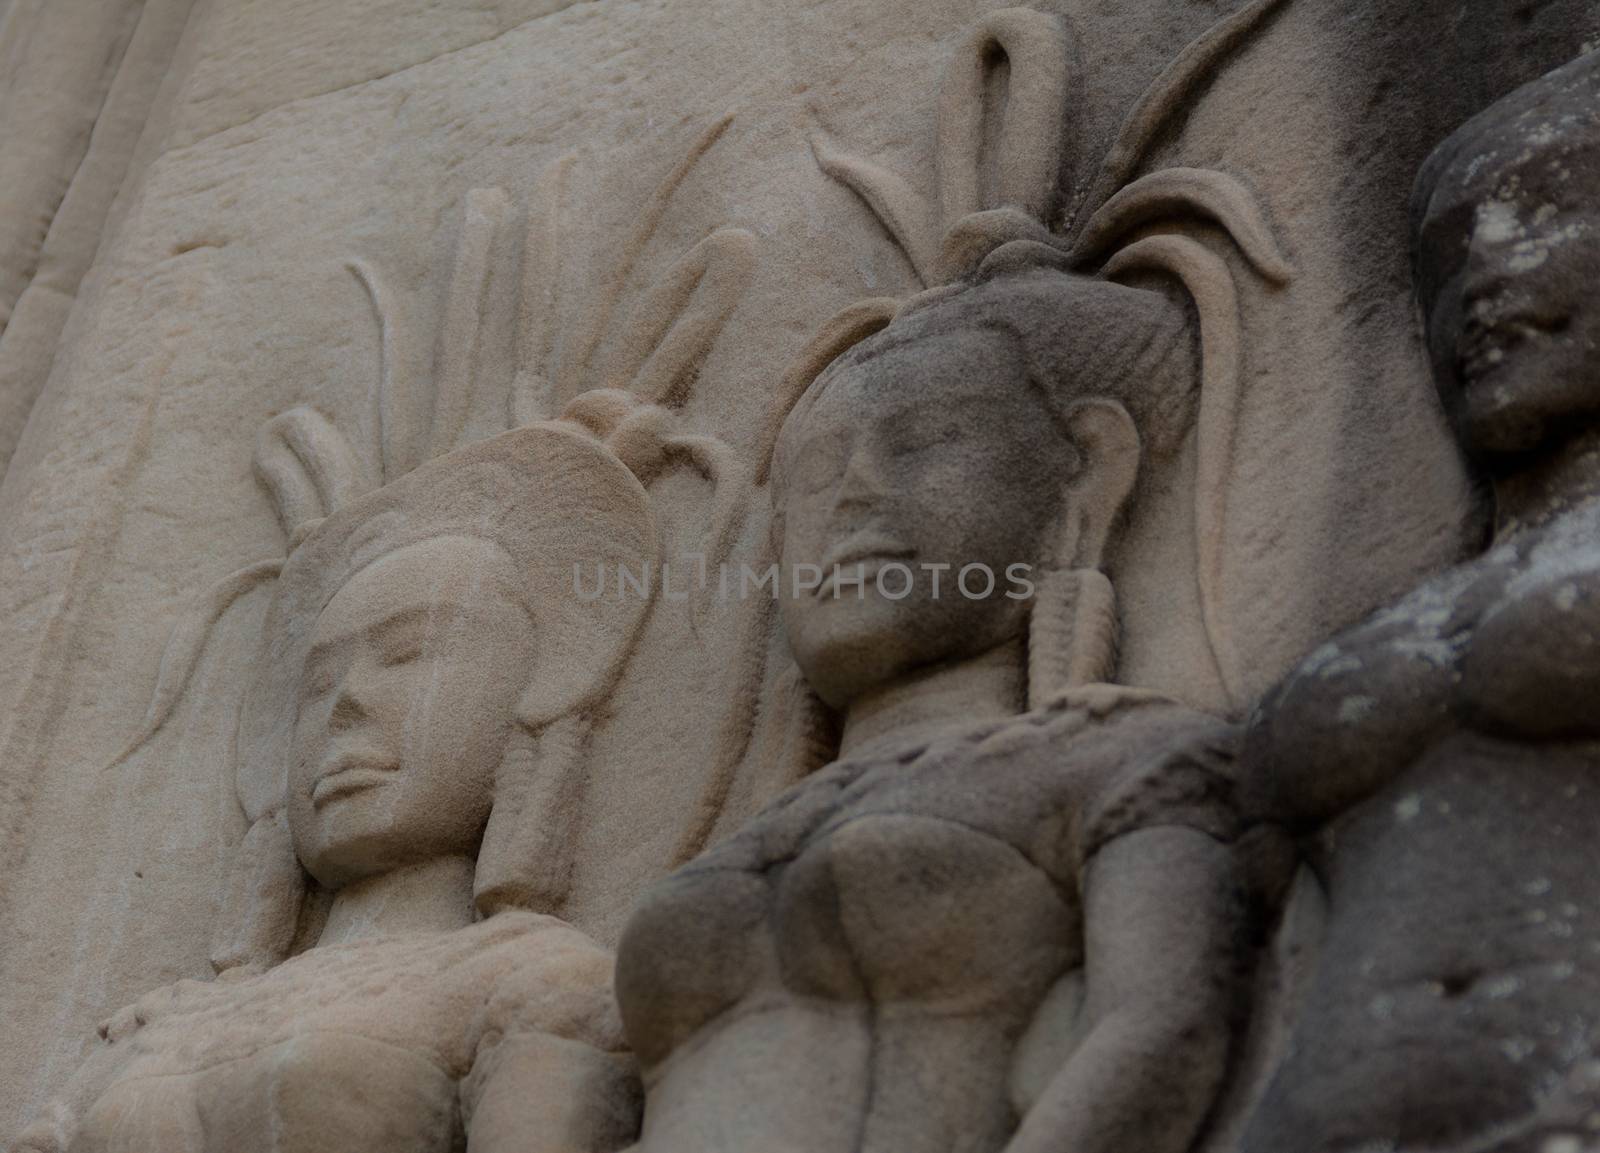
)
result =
(539, 1093)
(1162, 910)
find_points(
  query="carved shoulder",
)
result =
(1533, 669)
(545, 976)
(1363, 706)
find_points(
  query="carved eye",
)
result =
(399, 654)
(818, 469)
(318, 682)
(921, 439)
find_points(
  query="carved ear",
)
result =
(1024, 157)
(1072, 629)
(1108, 441)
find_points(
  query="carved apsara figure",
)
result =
(1441, 758)
(430, 611)
(982, 927)
(411, 751)
(972, 916)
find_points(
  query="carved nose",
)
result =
(348, 709)
(861, 483)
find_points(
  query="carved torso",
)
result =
(353, 1047)
(896, 920)
(1452, 745)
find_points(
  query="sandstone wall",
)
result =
(186, 188)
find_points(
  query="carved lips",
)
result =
(861, 557)
(348, 774)
(1493, 333)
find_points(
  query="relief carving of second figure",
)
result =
(1439, 759)
(1015, 912)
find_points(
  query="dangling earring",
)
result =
(256, 926)
(530, 844)
(1072, 633)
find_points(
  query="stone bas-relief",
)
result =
(882, 962)
(982, 927)
(413, 756)
(882, 926)
(1025, 907)
(407, 1024)
(1440, 757)
(878, 938)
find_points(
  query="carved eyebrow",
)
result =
(384, 631)
(914, 412)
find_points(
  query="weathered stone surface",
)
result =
(78, 219)
(1442, 751)
(1118, 290)
(417, 1038)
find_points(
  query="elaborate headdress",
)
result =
(553, 493)
(1000, 208)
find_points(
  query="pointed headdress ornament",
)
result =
(553, 492)
(999, 205)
